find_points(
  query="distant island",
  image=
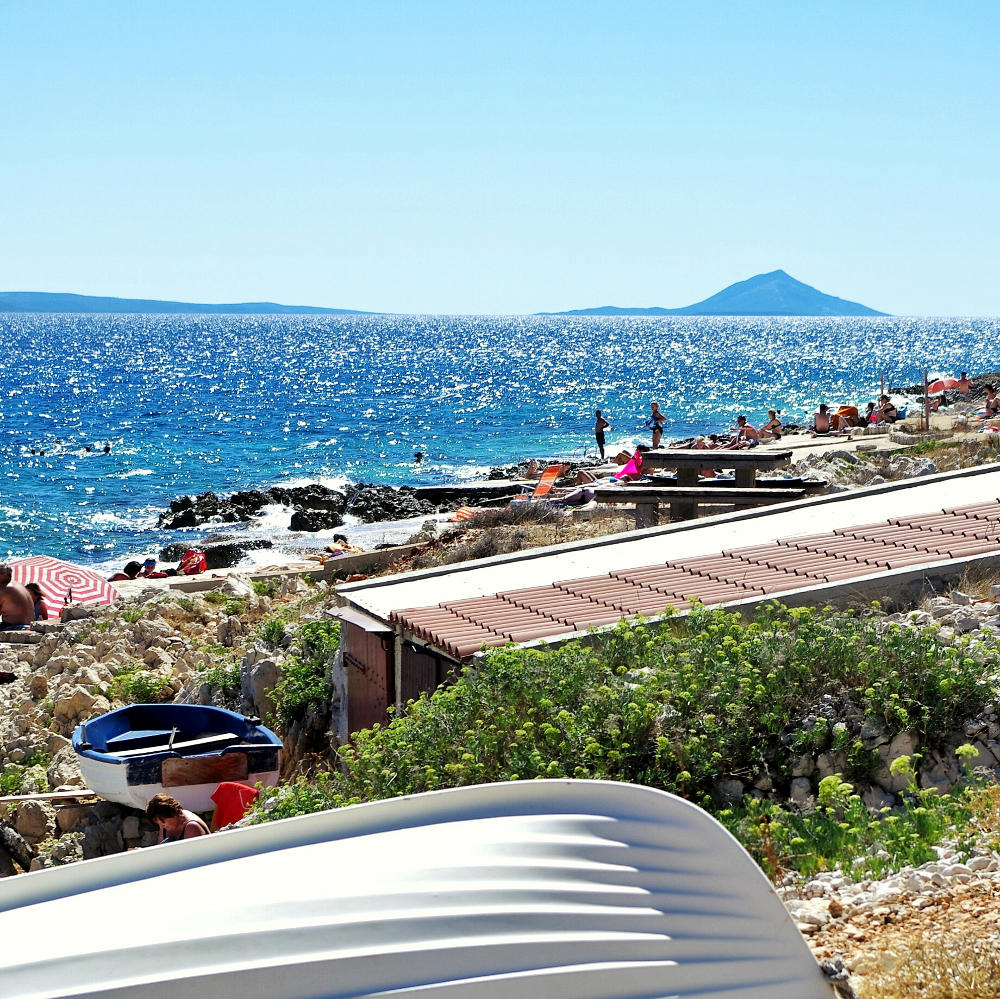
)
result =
(41, 301)
(773, 294)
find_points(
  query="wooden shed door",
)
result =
(369, 678)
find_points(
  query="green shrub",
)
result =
(234, 606)
(136, 685)
(305, 681)
(264, 587)
(273, 630)
(843, 833)
(133, 614)
(224, 677)
(680, 705)
(215, 597)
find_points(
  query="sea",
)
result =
(190, 403)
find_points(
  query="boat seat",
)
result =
(186, 747)
(137, 738)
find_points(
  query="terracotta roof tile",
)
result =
(462, 627)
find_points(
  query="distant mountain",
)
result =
(772, 294)
(41, 301)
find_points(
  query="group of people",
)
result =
(141, 570)
(847, 417)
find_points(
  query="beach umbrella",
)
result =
(942, 384)
(62, 582)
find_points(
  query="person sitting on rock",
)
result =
(173, 820)
(131, 570)
(885, 411)
(17, 606)
(41, 611)
(744, 435)
(822, 422)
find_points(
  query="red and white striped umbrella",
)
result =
(62, 582)
(941, 385)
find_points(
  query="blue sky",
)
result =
(500, 156)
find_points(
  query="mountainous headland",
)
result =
(773, 294)
(42, 301)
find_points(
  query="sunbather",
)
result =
(745, 435)
(17, 606)
(41, 611)
(131, 571)
(632, 470)
(885, 411)
(822, 423)
(772, 429)
(992, 403)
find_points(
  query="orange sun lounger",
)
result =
(545, 484)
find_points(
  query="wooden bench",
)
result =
(689, 462)
(684, 501)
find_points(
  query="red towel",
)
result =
(232, 800)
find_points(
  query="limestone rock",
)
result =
(35, 820)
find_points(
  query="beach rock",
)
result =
(35, 820)
(64, 771)
(76, 702)
(372, 504)
(230, 630)
(256, 684)
(315, 520)
(728, 792)
(66, 850)
(800, 791)
(247, 504)
(14, 847)
(237, 586)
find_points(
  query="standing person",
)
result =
(174, 821)
(655, 422)
(17, 606)
(964, 384)
(599, 427)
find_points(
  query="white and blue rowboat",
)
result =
(562, 889)
(185, 750)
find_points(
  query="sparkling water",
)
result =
(191, 403)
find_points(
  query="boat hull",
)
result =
(112, 781)
(550, 889)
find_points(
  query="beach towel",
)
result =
(192, 562)
(232, 800)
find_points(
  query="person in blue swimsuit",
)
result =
(655, 422)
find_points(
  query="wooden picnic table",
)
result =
(689, 462)
(684, 501)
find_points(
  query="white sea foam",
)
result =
(131, 473)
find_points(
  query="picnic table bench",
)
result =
(689, 462)
(684, 500)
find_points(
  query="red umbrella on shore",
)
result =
(62, 582)
(942, 384)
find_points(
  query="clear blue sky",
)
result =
(427, 156)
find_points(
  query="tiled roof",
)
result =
(462, 627)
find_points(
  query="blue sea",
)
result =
(192, 403)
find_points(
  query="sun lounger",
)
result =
(545, 484)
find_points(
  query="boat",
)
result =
(185, 750)
(554, 888)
